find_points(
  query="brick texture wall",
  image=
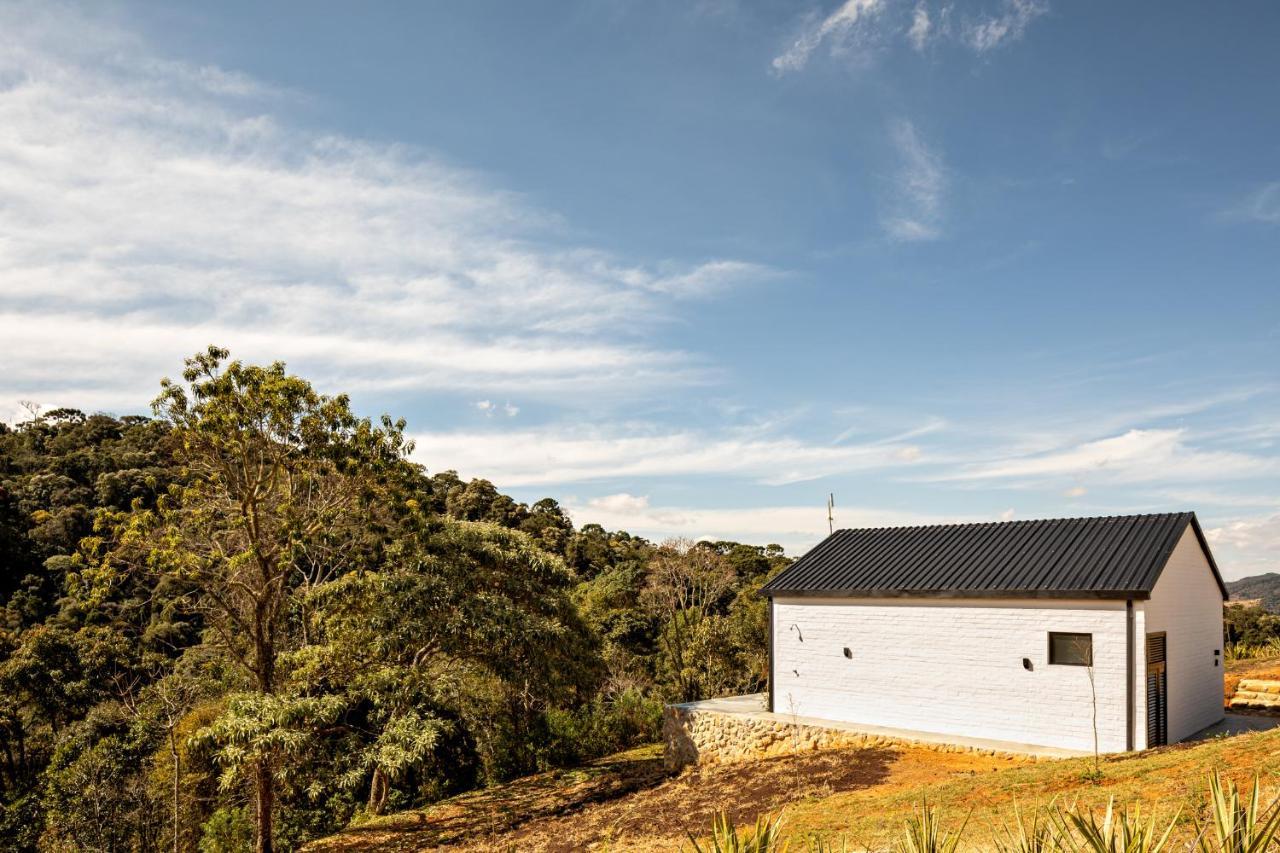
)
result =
(952, 667)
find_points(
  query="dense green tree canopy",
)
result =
(251, 618)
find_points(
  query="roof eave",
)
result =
(1208, 555)
(1059, 594)
(1154, 576)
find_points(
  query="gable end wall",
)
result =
(1186, 604)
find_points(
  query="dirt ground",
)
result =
(653, 819)
(630, 797)
(628, 802)
(863, 796)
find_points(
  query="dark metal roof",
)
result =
(1111, 557)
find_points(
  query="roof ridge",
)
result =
(1012, 521)
(1108, 556)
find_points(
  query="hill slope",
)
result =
(1264, 587)
(626, 802)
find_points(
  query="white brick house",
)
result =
(1016, 631)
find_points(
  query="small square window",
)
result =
(1071, 649)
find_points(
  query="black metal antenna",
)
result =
(831, 518)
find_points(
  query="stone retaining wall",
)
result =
(699, 736)
(1258, 695)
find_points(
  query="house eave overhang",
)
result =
(1172, 544)
(1208, 555)
(1059, 594)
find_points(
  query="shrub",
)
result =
(227, 831)
(1267, 649)
(602, 726)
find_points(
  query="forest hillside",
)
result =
(1264, 588)
(247, 620)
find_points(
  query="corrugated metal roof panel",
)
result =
(1109, 557)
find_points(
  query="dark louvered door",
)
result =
(1157, 692)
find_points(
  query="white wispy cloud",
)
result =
(795, 527)
(152, 207)
(921, 25)
(1136, 456)
(1009, 25)
(1261, 205)
(839, 30)
(913, 209)
(1233, 500)
(859, 31)
(489, 408)
(1135, 470)
(702, 281)
(556, 456)
(1247, 546)
(1242, 546)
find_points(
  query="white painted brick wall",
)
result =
(952, 666)
(1187, 605)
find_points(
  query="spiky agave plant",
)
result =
(1239, 824)
(1122, 831)
(764, 837)
(819, 843)
(1026, 833)
(923, 833)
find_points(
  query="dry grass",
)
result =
(659, 817)
(1253, 667)
(1167, 780)
(489, 814)
(627, 802)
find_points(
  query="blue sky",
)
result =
(687, 267)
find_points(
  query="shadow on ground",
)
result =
(1238, 722)
(626, 795)
(492, 812)
(686, 803)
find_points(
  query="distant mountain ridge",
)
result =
(1265, 588)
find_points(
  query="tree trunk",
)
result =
(264, 783)
(177, 766)
(377, 791)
